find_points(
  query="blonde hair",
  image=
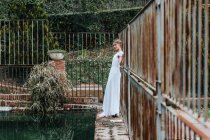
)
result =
(118, 41)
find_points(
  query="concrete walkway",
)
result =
(110, 129)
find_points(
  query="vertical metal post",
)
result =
(27, 43)
(160, 44)
(179, 49)
(4, 42)
(47, 34)
(95, 43)
(65, 41)
(0, 43)
(37, 42)
(23, 42)
(32, 42)
(43, 47)
(99, 43)
(73, 43)
(78, 43)
(199, 54)
(189, 55)
(86, 43)
(69, 36)
(14, 47)
(90, 44)
(9, 30)
(206, 50)
(18, 36)
(184, 55)
(104, 46)
(129, 86)
(194, 54)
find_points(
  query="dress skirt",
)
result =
(111, 103)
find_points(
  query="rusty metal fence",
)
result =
(165, 81)
(24, 43)
(85, 45)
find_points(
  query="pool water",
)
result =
(71, 125)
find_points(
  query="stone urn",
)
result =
(56, 54)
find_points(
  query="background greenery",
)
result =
(74, 15)
(88, 71)
(104, 21)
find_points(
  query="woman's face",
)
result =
(116, 46)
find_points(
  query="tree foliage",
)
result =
(27, 9)
(36, 8)
(75, 6)
(106, 21)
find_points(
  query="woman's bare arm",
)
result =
(120, 59)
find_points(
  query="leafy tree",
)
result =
(26, 9)
(3, 9)
(75, 6)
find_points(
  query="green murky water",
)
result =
(72, 125)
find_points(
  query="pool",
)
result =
(71, 125)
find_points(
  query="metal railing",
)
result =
(85, 45)
(24, 43)
(166, 62)
(88, 77)
(13, 77)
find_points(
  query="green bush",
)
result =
(47, 87)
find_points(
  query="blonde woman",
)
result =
(111, 103)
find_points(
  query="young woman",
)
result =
(111, 102)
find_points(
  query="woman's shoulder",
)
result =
(120, 53)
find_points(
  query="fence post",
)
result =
(129, 86)
(160, 44)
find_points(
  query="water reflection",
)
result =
(73, 125)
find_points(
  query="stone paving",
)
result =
(109, 128)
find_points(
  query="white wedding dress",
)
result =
(111, 102)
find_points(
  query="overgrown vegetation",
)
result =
(47, 87)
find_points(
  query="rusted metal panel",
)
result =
(143, 49)
(185, 24)
(143, 110)
(124, 96)
(179, 125)
(184, 58)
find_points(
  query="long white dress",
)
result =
(111, 103)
